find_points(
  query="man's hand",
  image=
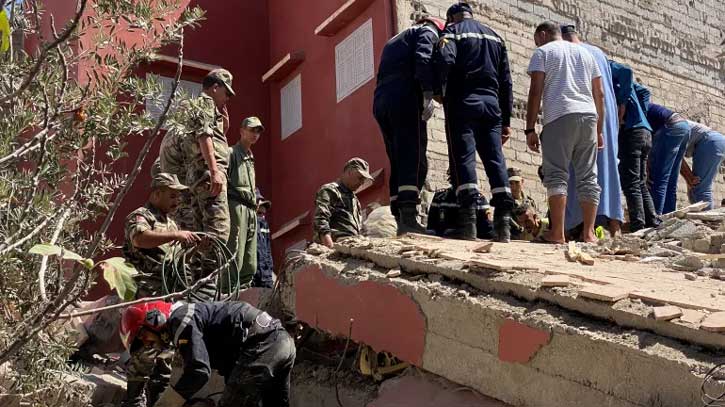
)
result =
(428, 106)
(438, 98)
(692, 181)
(600, 141)
(532, 140)
(327, 240)
(185, 236)
(216, 183)
(505, 134)
(225, 119)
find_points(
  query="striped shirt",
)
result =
(698, 132)
(569, 70)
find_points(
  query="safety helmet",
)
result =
(151, 315)
(440, 24)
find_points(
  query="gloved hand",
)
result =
(170, 398)
(428, 106)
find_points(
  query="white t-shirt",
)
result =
(569, 70)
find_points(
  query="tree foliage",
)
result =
(67, 109)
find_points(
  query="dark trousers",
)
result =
(397, 110)
(262, 373)
(634, 148)
(473, 124)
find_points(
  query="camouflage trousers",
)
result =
(211, 213)
(184, 214)
(148, 374)
(262, 374)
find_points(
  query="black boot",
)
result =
(467, 221)
(502, 225)
(408, 220)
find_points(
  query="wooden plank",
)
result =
(483, 248)
(672, 298)
(607, 293)
(284, 66)
(714, 322)
(556, 280)
(696, 207)
(667, 312)
(691, 316)
(342, 17)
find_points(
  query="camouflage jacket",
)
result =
(172, 156)
(204, 119)
(337, 211)
(526, 200)
(147, 261)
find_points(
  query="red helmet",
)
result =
(440, 24)
(151, 315)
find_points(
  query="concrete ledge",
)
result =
(567, 359)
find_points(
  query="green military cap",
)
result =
(164, 179)
(253, 122)
(514, 174)
(223, 76)
(360, 165)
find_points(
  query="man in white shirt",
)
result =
(567, 78)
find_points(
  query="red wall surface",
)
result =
(331, 132)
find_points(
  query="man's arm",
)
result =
(643, 96)
(321, 221)
(505, 89)
(690, 178)
(623, 77)
(536, 90)
(206, 146)
(424, 63)
(446, 57)
(598, 94)
(190, 345)
(149, 239)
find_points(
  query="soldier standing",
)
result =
(337, 210)
(243, 200)
(402, 105)
(478, 100)
(149, 232)
(264, 277)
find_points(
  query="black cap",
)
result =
(568, 29)
(458, 8)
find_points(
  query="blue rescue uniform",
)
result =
(406, 71)
(478, 100)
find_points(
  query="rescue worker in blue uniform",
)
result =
(478, 100)
(403, 103)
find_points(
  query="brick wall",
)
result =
(673, 46)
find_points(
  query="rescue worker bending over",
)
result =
(403, 103)
(478, 100)
(249, 348)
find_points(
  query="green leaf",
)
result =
(119, 275)
(53, 250)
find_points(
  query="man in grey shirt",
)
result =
(568, 79)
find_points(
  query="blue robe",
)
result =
(610, 203)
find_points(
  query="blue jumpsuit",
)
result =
(406, 71)
(478, 100)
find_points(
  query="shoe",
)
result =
(502, 226)
(408, 221)
(467, 219)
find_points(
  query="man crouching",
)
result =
(248, 347)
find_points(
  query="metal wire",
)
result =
(715, 379)
(181, 265)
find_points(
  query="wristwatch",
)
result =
(527, 131)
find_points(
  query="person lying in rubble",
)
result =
(249, 348)
(338, 212)
(148, 234)
(443, 217)
(532, 226)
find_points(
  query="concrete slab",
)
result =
(471, 323)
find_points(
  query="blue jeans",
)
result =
(706, 160)
(668, 150)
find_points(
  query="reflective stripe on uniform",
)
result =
(263, 230)
(479, 36)
(393, 198)
(410, 188)
(500, 190)
(466, 186)
(431, 29)
(184, 322)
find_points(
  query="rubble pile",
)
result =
(689, 240)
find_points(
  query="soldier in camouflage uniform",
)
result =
(243, 200)
(337, 210)
(207, 154)
(522, 202)
(149, 232)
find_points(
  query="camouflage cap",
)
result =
(224, 77)
(514, 174)
(252, 122)
(360, 165)
(164, 179)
